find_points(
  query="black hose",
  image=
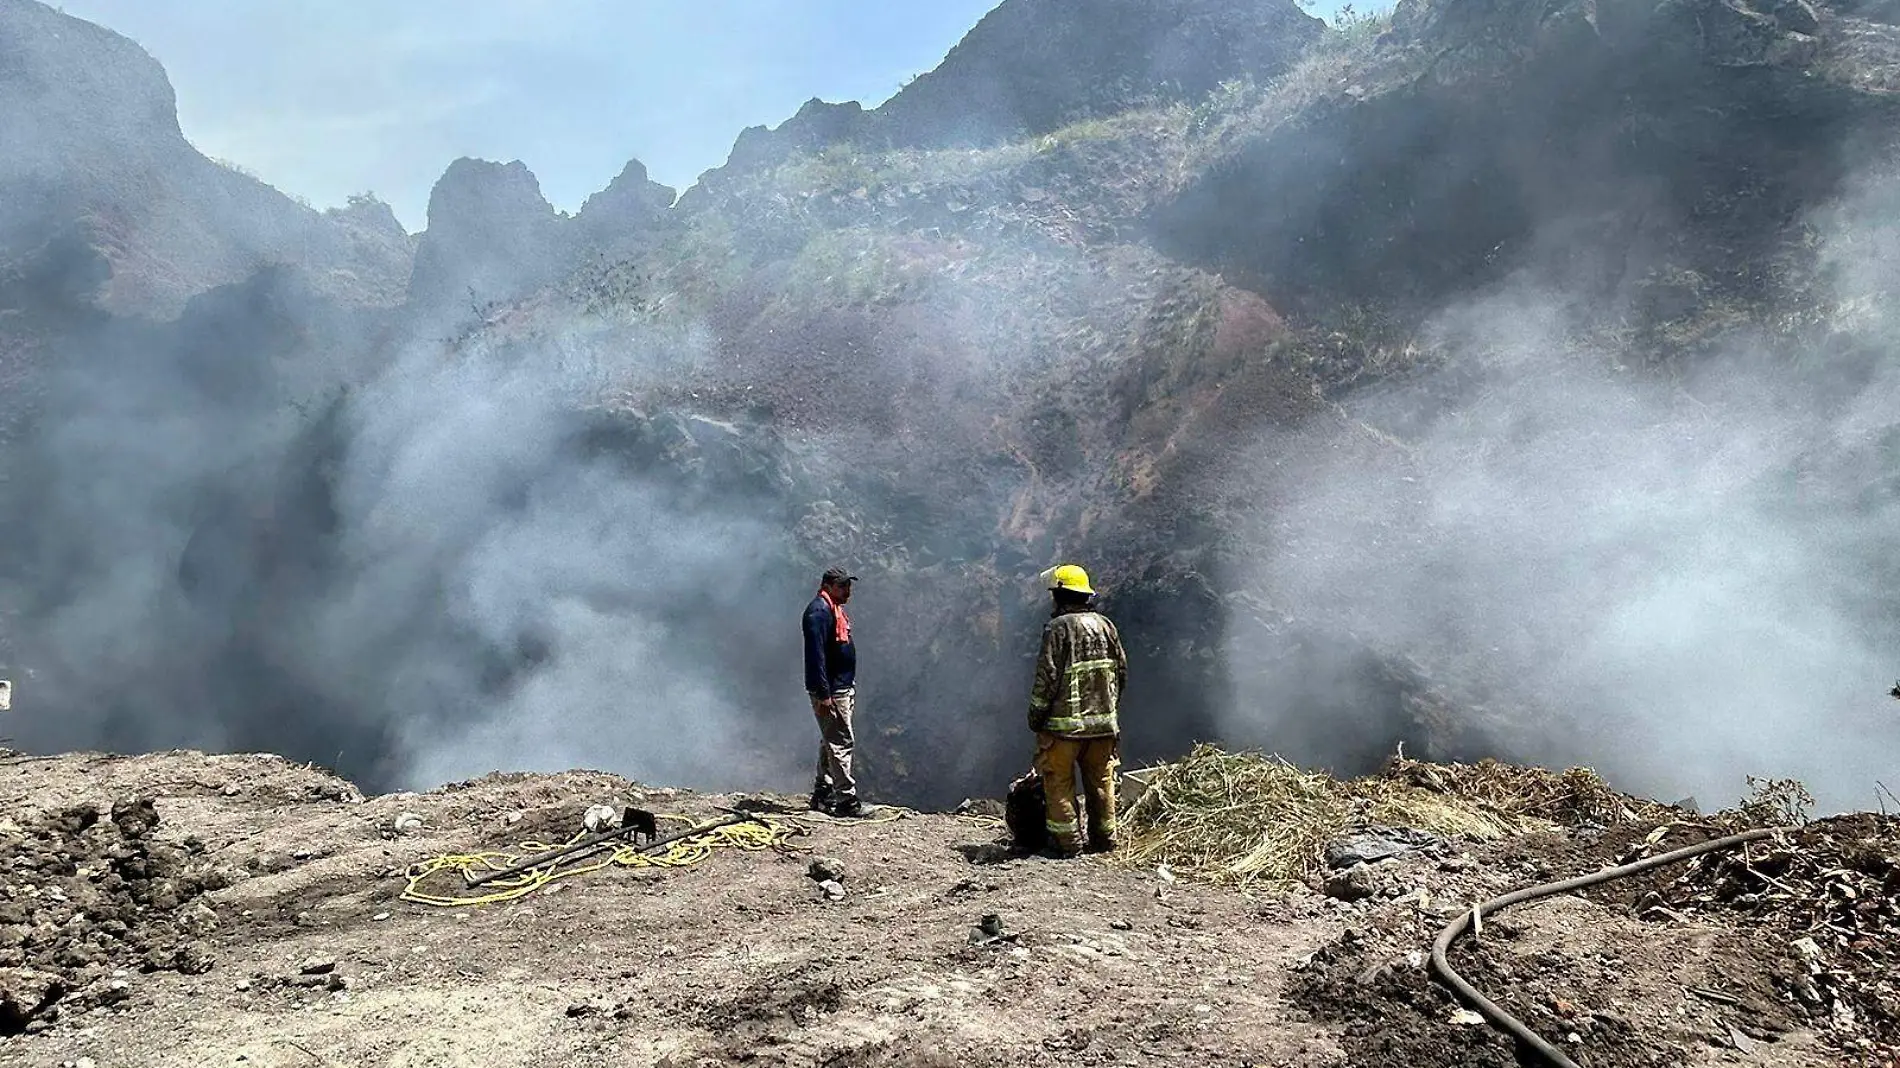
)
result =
(1490, 1010)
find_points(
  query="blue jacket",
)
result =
(830, 665)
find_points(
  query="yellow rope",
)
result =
(756, 835)
(765, 832)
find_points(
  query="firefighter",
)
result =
(831, 668)
(1073, 708)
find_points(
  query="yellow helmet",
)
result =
(1069, 577)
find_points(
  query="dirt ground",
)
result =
(280, 886)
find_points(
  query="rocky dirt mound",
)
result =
(1645, 972)
(85, 894)
(1825, 900)
(1393, 1014)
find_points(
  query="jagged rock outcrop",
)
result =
(622, 217)
(90, 126)
(1032, 66)
(811, 128)
(491, 236)
(814, 125)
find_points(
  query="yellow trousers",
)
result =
(1056, 761)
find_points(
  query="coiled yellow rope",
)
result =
(764, 832)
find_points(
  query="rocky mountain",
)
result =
(1436, 379)
(91, 128)
(1032, 68)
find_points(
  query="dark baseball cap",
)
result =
(838, 576)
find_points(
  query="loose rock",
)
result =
(194, 958)
(26, 993)
(1354, 884)
(599, 818)
(135, 817)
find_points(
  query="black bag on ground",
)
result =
(1024, 814)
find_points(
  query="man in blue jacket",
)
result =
(831, 668)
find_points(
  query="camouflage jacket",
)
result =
(1079, 677)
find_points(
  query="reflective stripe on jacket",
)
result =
(1079, 677)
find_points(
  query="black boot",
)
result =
(821, 798)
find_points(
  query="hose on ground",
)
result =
(767, 832)
(1494, 1013)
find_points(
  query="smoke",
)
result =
(1682, 579)
(468, 512)
(259, 527)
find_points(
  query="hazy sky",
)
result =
(324, 98)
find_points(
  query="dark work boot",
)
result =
(849, 808)
(821, 798)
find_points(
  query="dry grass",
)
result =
(1572, 798)
(1248, 818)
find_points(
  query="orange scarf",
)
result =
(842, 622)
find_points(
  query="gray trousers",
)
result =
(835, 742)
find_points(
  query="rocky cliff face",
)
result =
(91, 128)
(1033, 66)
(1239, 313)
(491, 236)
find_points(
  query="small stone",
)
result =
(826, 870)
(380, 917)
(1354, 884)
(406, 823)
(197, 918)
(582, 1008)
(194, 958)
(243, 985)
(317, 966)
(834, 891)
(1121, 925)
(232, 790)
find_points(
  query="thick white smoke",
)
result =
(469, 520)
(1675, 580)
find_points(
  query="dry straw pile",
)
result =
(1247, 818)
